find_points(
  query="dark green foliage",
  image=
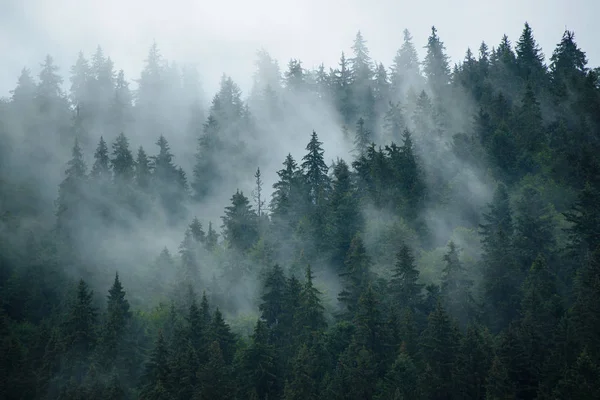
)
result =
(514, 318)
(456, 288)
(404, 288)
(101, 167)
(356, 275)
(501, 275)
(122, 161)
(240, 225)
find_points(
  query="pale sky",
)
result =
(223, 36)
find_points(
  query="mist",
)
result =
(217, 158)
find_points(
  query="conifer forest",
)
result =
(424, 230)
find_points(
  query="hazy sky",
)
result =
(223, 35)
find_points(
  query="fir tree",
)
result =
(240, 227)
(404, 287)
(101, 168)
(122, 160)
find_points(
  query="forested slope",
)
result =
(413, 231)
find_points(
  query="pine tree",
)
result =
(501, 276)
(206, 170)
(101, 168)
(344, 217)
(212, 237)
(586, 309)
(196, 230)
(315, 170)
(142, 169)
(215, 377)
(118, 316)
(342, 83)
(294, 76)
(284, 195)
(157, 372)
(405, 69)
(122, 160)
(457, 287)
(439, 348)
(310, 317)
(362, 138)
(474, 360)
(394, 123)
(404, 287)
(272, 304)
(568, 65)
(401, 380)
(257, 194)
(581, 381)
(240, 227)
(221, 333)
(534, 230)
(71, 192)
(530, 59)
(189, 260)
(79, 329)
(435, 65)
(121, 108)
(80, 80)
(499, 385)
(259, 366)
(356, 276)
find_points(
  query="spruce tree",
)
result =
(122, 160)
(436, 65)
(404, 287)
(101, 168)
(356, 276)
(240, 227)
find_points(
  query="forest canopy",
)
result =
(423, 230)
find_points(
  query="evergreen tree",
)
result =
(345, 219)
(272, 304)
(142, 169)
(196, 230)
(404, 287)
(240, 227)
(157, 372)
(439, 348)
(436, 66)
(285, 190)
(212, 237)
(71, 193)
(310, 318)
(356, 275)
(101, 168)
(221, 333)
(362, 138)
(79, 328)
(342, 82)
(405, 69)
(401, 380)
(315, 171)
(586, 309)
(501, 276)
(534, 230)
(456, 287)
(122, 160)
(121, 109)
(530, 59)
(259, 366)
(215, 377)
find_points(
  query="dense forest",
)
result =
(154, 245)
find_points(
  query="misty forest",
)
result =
(357, 231)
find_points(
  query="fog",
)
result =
(223, 38)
